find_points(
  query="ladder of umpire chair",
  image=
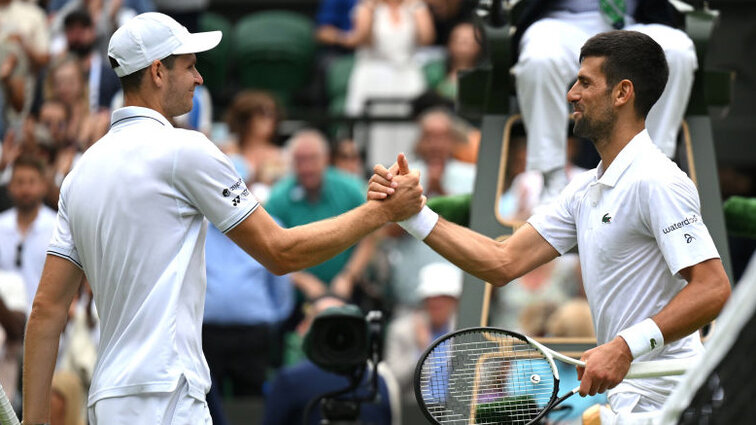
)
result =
(485, 92)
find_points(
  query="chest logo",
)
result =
(606, 218)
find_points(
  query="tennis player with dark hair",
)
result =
(132, 218)
(651, 271)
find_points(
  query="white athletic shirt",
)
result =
(132, 216)
(636, 225)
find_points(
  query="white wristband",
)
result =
(421, 224)
(643, 337)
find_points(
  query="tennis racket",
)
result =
(7, 415)
(494, 376)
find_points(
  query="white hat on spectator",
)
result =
(153, 36)
(439, 279)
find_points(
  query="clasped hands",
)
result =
(398, 188)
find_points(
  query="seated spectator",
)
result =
(440, 173)
(253, 118)
(81, 38)
(26, 229)
(15, 85)
(463, 53)
(447, 14)
(296, 386)
(67, 400)
(549, 36)
(408, 336)
(315, 191)
(346, 157)
(78, 343)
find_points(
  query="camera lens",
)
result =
(340, 340)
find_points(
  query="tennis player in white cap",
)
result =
(132, 219)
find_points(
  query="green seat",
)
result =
(214, 63)
(337, 83)
(274, 51)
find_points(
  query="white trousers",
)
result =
(176, 408)
(549, 62)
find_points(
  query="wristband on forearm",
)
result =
(643, 337)
(421, 224)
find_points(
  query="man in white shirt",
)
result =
(26, 229)
(651, 272)
(132, 217)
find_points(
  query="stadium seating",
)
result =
(274, 51)
(214, 64)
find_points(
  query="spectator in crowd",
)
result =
(386, 34)
(67, 400)
(245, 305)
(463, 52)
(408, 336)
(549, 36)
(81, 37)
(346, 157)
(334, 23)
(14, 72)
(447, 14)
(440, 173)
(314, 192)
(77, 352)
(253, 118)
(13, 307)
(107, 16)
(65, 83)
(295, 386)
(26, 229)
(25, 24)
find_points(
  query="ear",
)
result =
(624, 93)
(157, 73)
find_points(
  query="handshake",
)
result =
(401, 195)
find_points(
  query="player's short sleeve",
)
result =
(556, 222)
(672, 210)
(211, 186)
(62, 242)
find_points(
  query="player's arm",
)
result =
(59, 284)
(693, 307)
(496, 262)
(286, 250)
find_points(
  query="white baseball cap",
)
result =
(439, 279)
(153, 36)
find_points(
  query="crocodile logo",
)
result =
(606, 218)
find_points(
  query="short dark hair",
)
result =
(634, 56)
(132, 81)
(30, 162)
(78, 17)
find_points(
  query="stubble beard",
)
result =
(598, 128)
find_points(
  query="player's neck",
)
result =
(137, 98)
(622, 133)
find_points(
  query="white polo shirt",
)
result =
(33, 247)
(636, 225)
(132, 216)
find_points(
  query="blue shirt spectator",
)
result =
(337, 13)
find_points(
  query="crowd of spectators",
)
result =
(58, 90)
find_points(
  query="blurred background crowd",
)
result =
(304, 99)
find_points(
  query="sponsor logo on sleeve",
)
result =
(689, 238)
(680, 224)
(226, 192)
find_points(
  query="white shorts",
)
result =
(176, 408)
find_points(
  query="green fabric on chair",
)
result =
(337, 83)
(274, 51)
(214, 63)
(740, 215)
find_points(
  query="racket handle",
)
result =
(7, 415)
(657, 368)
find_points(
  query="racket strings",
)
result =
(485, 378)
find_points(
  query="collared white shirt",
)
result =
(132, 216)
(28, 250)
(636, 225)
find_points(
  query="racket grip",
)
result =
(657, 368)
(7, 415)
